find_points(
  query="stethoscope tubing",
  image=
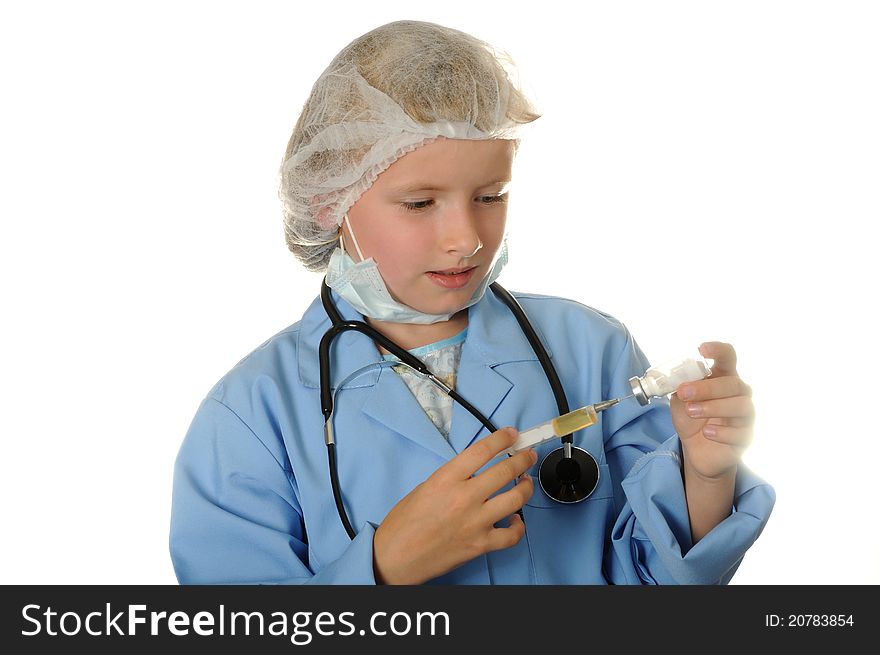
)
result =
(339, 325)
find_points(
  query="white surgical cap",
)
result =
(350, 130)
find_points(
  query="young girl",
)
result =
(394, 183)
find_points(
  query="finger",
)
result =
(475, 456)
(724, 357)
(498, 475)
(499, 538)
(737, 407)
(737, 422)
(505, 504)
(730, 435)
(727, 386)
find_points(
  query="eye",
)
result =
(491, 200)
(417, 205)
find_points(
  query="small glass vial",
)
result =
(664, 379)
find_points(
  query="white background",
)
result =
(702, 171)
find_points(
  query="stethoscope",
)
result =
(567, 474)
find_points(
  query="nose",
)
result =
(460, 236)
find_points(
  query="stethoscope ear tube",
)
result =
(375, 335)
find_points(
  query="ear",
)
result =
(324, 218)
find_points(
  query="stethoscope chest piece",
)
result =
(569, 479)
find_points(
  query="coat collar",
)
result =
(494, 337)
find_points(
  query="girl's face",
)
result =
(434, 220)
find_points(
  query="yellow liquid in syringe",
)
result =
(574, 421)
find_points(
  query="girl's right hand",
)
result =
(450, 518)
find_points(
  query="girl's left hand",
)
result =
(714, 417)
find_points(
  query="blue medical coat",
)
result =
(252, 501)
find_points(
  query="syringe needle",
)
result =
(605, 404)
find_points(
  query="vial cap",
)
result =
(636, 385)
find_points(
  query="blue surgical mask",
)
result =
(361, 286)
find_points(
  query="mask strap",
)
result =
(353, 238)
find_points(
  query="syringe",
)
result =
(657, 381)
(560, 426)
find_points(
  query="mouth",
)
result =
(454, 271)
(452, 278)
